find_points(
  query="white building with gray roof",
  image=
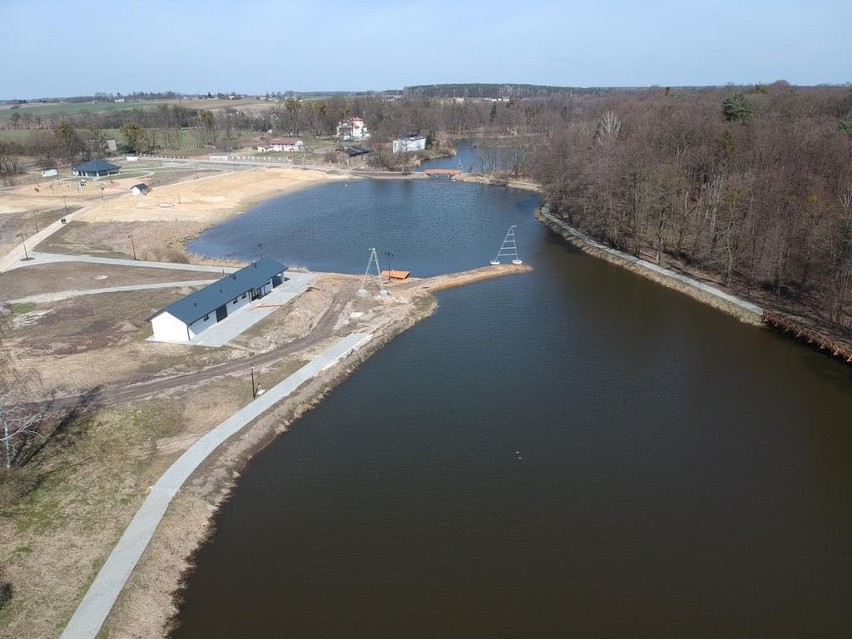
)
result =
(189, 316)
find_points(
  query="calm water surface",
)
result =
(575, 451)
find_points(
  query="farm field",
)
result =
(76, 108)
(191, 138)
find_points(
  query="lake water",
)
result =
(574, 451)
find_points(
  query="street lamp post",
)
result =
(254, 387)
(390, 255)
(24, 244)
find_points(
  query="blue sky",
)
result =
(62, 48)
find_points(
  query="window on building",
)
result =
(206, 317)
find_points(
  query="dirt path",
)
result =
(138, 388)
(90, 615)
(134, 389)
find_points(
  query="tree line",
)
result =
(752, 184)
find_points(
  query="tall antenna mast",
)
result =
(508, 248)
(374, 259)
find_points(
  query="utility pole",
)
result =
(7, 440)
(132, 246)
(390, 255)
(374, 259)
(24, 244)
(66, 205)
(254, 387)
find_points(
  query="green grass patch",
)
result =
(75, 108)
(40, 512)
(23, 308)
(156, 420)
(59, 242)
(14, 135)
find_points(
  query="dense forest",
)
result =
(491, 91)
(754, 186)
(751, 185)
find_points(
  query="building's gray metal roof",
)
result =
(96, 165)
(196, 305)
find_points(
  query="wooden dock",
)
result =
(807, 335)
(450, 173)
(395, 275)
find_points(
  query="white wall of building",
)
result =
(405, 145)
(298, 145)
(169, 328)
(200, 324)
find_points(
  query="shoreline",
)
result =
(155, 585)
(148, 602)
(743, 310)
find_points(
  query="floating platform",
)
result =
(396, 275)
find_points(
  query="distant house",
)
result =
(95, 169)
(49, 172)
(411, 142)
(132, 157)
(283, 144)
(140, 189)
(355, 151)
(219, 156)
(352, 129)
(189, 316)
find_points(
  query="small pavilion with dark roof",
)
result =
(95, 169)
(189, 316)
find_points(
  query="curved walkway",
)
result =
(64, 295)
(14, 258)
(50, 258)
(685, 280)
(93, 610)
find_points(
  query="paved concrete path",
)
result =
(684, 279)
(64, 295)
(51, 258)
(244, 318)
(13, 258)
(102, 594)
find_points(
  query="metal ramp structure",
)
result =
(377, 276)
(508, 249)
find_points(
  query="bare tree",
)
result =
(292, 106)
(19, 420)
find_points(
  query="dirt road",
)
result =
(133, 389)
